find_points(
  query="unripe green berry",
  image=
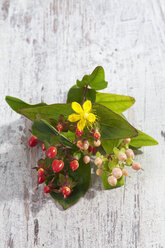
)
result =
(112, 180)
(116, 172)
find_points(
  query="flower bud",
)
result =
(136, 166)
(98, 161)
(127, 141)
(116, 172)
(97, 143)
(129, 153)
(122, 156)
(112, 180)
(99, 171)
(85, 145)
(125, 172)
(86, 159)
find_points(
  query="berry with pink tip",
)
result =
(129, 153)
(122, 156)
(127, 141)
(85, 145)
(116, 172)
(125, 172)
(112, 180)
(46, 189)
(99, 171)
(79, 144)
(136, 166)
(86, 159)
(98, 161)
(97, 143)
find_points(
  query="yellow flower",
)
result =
(83, 115)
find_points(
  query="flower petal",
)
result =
(91, 118)
(77, 107)
(87, 106)
(74, 117)
(81, 124)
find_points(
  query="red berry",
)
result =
(41, 172)
(57, 165)
(41, 179)
(97, 135)
(74, 165)
(59, 127)
(94, 150)
(90, 149)
(33, 141)
(46, 189)
(78, 132)
(43, 147)
(51, 152)
(66, 191)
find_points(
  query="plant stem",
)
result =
(84, 94)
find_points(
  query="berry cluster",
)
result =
(114, 164)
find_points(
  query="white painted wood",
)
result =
(44, 47)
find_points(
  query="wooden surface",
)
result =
(44, 47)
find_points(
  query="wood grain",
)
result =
(44, 47)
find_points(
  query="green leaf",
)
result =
(113, 126)
(117, 103)
(48, 112)
(143, 140)
(75, 94)
(82, 176)
(44, 131)
(16, 104)
(104, 177)
(108, 145)
(96, 80)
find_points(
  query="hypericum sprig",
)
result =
(89, 127)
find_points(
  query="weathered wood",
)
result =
(44, 47)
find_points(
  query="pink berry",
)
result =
(33, 141)
(79, 133)
(112, 180)
(46, 189)
(51, 152)
(79, 144)
(127, 141)
(86, 159)
(129, 153)
(97, 143)
(121, 156)
(116, 172)
(98, 161)
(136, 166)
(74, 165)
(85, 145)
(125, 172)
(99, 171)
